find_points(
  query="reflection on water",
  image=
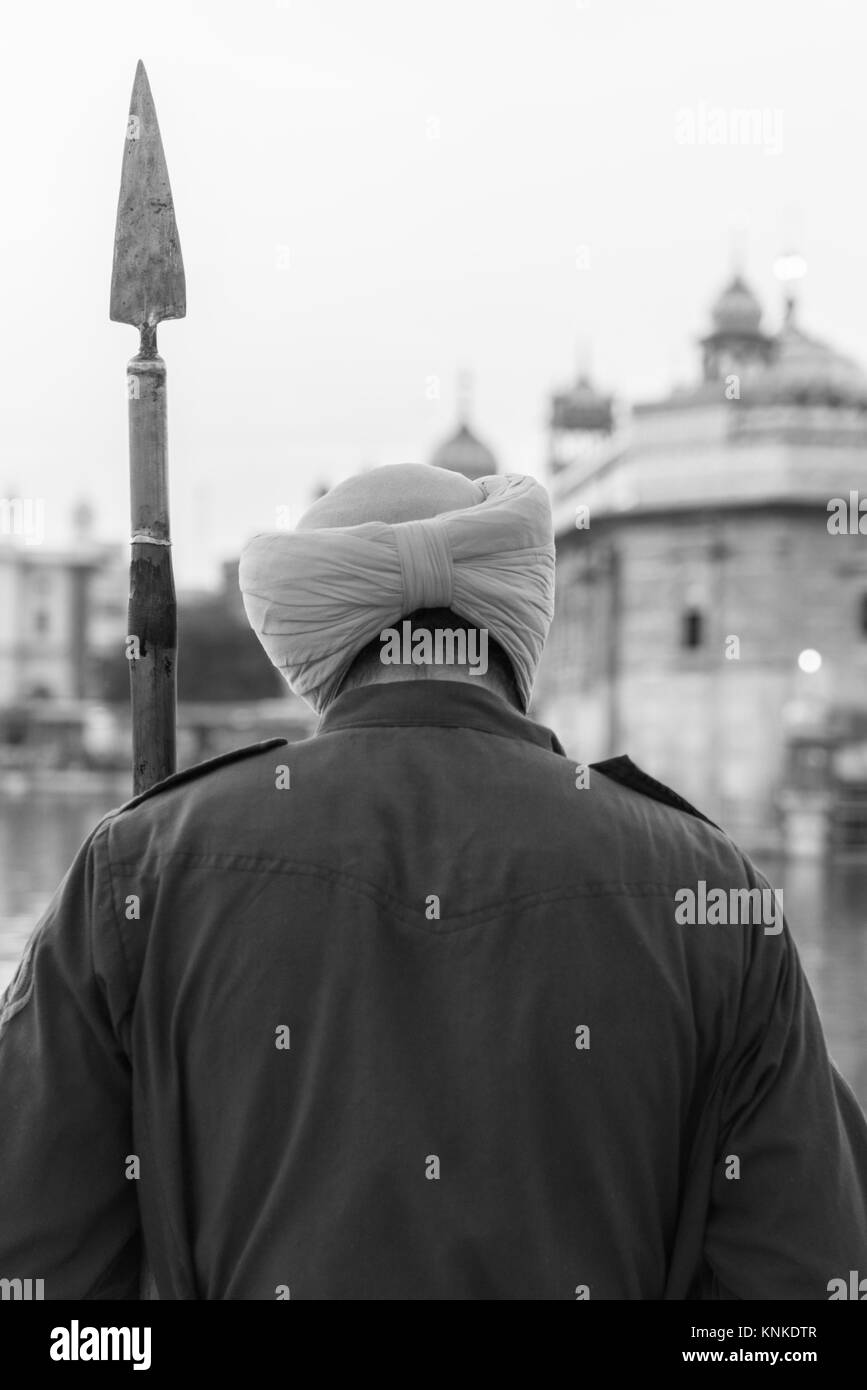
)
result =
(826, 907)
(39, 837)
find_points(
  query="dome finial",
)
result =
(738, 250)
(789, 268)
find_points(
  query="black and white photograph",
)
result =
(433, 672)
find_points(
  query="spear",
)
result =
(147, 286)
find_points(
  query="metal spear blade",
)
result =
(147, 278)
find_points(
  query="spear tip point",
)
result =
(147, 283)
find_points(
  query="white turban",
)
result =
(389, 542)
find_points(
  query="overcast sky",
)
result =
(373, 195)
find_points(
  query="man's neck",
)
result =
(388, 675)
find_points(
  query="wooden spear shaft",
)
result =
(147, 286)
(152, 614)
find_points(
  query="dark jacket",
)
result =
(418, 1025)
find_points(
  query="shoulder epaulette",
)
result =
(188, 774)
(625, 771)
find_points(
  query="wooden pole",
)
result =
(152, 614)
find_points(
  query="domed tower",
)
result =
(581, 419)
(736, 339)
(463, 452)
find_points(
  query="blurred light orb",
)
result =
(791, 266)
(809, 661)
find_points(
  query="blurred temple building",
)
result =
(59, 610)
(711, 619)
(463, 451)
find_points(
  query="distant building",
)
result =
(64, 679)
(59, 610)
(463, 451)
(697, 573)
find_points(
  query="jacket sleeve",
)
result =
(790, 1215)
(68, 1211)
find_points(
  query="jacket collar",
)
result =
(448, 704)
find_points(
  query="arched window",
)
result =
(692, 629)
